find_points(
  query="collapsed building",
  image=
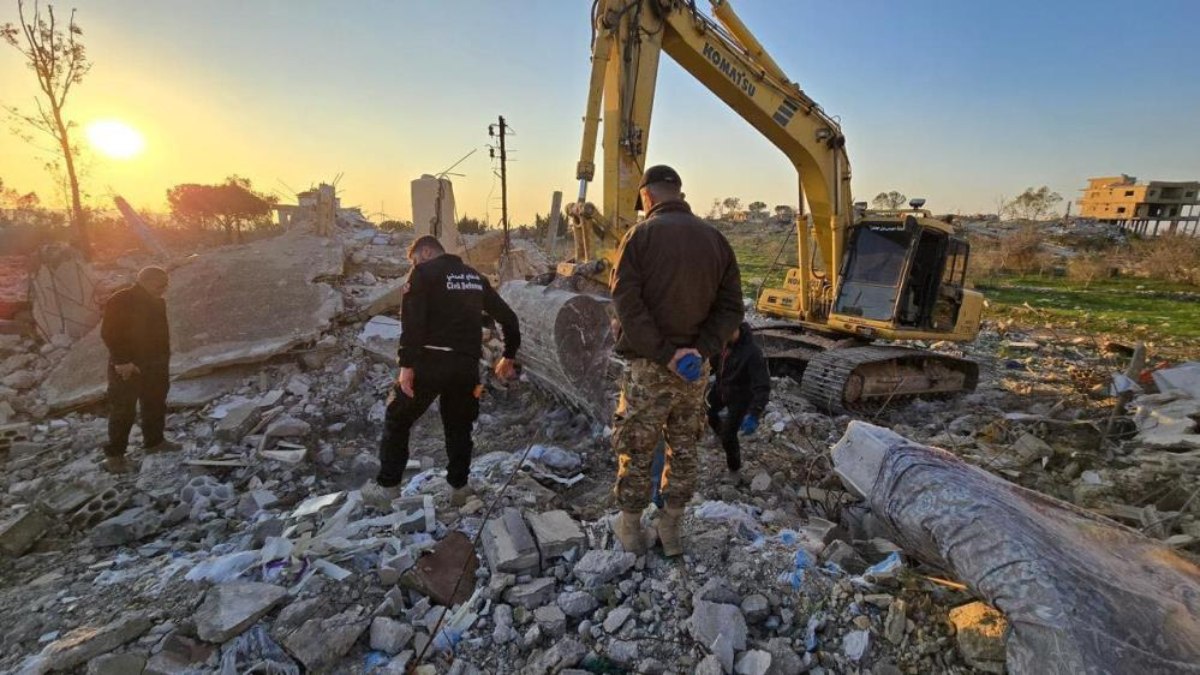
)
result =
(848, 547)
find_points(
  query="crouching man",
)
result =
(440, 348)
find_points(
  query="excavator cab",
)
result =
(907, 272)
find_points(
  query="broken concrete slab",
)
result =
(237, 422)
(86, 643)
(1081, 592)
(21, 531)
(1167, 421)
(597, 568)
(63, 292)
(532, 594)
(390, 636)
(211, 330)
(508, 544)
(556, 533)
(11, 434)
(231, 608)
(195, 392)
(715, 624)
(127, 527)
(320, 643)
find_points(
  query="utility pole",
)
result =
(503, 128)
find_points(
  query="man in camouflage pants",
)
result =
(678, 297)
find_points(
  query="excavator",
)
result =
(864, 278)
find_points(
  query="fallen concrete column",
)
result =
(566, 339)
(1083, 594)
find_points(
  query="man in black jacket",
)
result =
(743, 386)
(440, 347)
(677, 293)
(135, 331)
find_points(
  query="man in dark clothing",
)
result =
(440, 348)
(743, 385)
(678, 297)
(135, 331)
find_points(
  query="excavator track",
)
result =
(866, 379)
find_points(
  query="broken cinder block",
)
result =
(508, 544)
(238, 422)
(19, 533)
(556, 533)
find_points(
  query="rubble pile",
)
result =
(252, 548)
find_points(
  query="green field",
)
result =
(1130, 308)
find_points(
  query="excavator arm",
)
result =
(630, 36)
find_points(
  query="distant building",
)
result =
(1148, 208)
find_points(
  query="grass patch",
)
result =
(1114, 306)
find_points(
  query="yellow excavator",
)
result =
(863, 276)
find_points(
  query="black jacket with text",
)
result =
(443, 309)
(135, 329)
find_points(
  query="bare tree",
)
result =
(58, 59)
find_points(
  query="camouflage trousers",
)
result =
(657, 405)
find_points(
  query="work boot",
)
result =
(628, 528)
(380, 497)
(117, 464)
(460, 495)
(668, 531)
(165, 445)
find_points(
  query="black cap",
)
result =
(660, 173)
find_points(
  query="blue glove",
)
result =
(749, 425)
(690, 367)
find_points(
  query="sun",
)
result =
(115, 139)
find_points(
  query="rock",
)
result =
(508, 545)
(843, 555)
(533, 594)
(784, 659)
(717, 589)
(623, 652)
(231, 608)
(389, 635)
(753, 662)
(893, 625)
(761, 482)
(399, 664)
(177, 653)
(551, 620)
(86, 643)
(855, 644)
(130, 526)
(564, 654)
(556, 533)
(616, 619)
(719, 627)
(756, 608)
(20, 380)
(710, 665)
(980, 635)
(596, 568)
(20, 532)
(576, 604)
(320, 643)
(117, 664)
(237, 422)
(288, 427)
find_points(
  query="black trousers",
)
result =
(454, 379)
(149, 388)
(727, 429)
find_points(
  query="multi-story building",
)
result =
(1145, 207)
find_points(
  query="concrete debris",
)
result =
(231, 608)
(21, 530)
(508, 544)
(127, 527)
(86, 643)
(320, 643)
(556, 533)
(389, 635)
(596, 568)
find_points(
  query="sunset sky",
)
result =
(959, 102)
